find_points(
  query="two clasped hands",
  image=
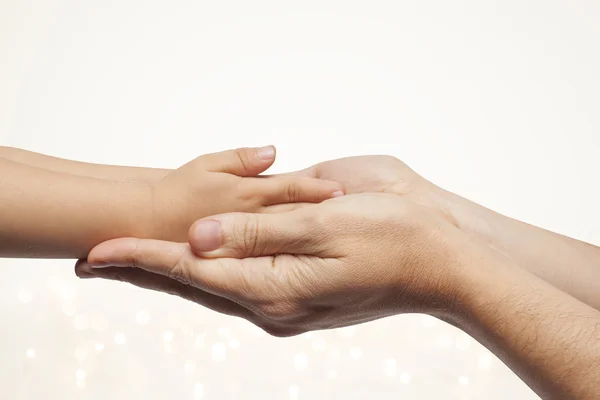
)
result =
(343, 242)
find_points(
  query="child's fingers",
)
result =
(285, 207)
(288, 189)
(240, 162)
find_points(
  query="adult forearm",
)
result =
(568, 264)
(550, 339)
(46, 214)
(113, 172)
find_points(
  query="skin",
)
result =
(488, 284)
(563, 262)
(55, 214)
(100, 171)
(568, 264)
(382, 254)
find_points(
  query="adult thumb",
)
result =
(243, 235)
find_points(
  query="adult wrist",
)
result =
(471, 218)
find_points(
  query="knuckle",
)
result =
(278, 311)
(322, 221)
(135, 255)
(180, 272)
(293, 192)
(249, 235)
(242, 156)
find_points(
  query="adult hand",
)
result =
(361, 257)
(382, 174)
(225, 182)
(565, 263)
(344, 261)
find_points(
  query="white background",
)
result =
(495, 100)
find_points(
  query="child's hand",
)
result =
(225, 182)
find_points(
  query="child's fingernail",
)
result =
(337, 193)
(266, 153)
(206, 235)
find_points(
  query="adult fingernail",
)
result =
(99, 264)
(206, 235)
(266, 153)
(83, 274)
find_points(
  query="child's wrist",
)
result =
(139, 210)
(168, 214)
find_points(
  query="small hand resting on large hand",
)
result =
(225, 182)
(360, 257)
(348, 260)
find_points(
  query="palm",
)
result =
(382, 174)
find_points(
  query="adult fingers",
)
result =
(236, 280)
(147, 280)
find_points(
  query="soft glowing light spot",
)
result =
(390, 367)
(168, 336)
(168, 347)
(67, 293)
(219, 352)
(294, 392)
(30, 353)
(404, 378)
(234, 344)
(198, 391)
(81, 322)
(80, 374)
(463, 380)
(99, 347)
(120, 338)
(356, 353)
(142, 317)
(300, 361)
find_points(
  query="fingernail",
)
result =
(206, 235)
(99, 264)
(266, 153)
(337, 193)
(84, 274)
